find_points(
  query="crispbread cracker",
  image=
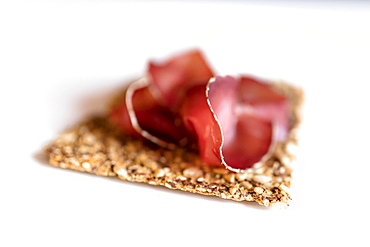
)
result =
(96, 147)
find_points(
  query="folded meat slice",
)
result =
(173, 78)
(201, 125)
(234, 121)
(140, 115)
(150, 106)
(258, 98)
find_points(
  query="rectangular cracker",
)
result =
(94, 146)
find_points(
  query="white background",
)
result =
(60, 61)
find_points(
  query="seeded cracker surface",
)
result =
(94, 146)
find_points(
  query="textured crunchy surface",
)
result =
(96, 147)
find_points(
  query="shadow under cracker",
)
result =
(42, 158)
(249, 204)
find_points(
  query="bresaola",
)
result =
(234, 121)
